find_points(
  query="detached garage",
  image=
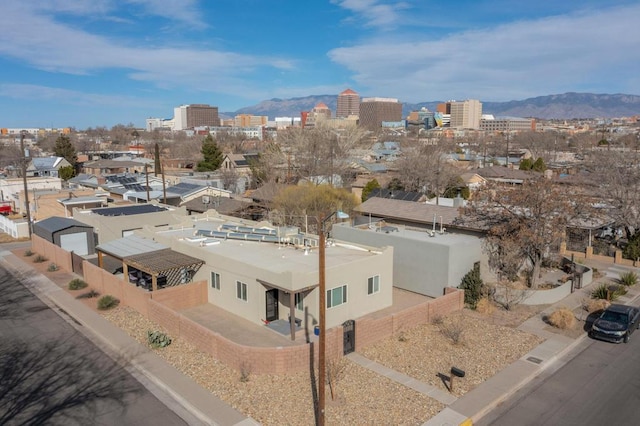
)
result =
(67, 233)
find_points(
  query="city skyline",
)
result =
(87, 64)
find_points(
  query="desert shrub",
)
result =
(473, 287)
(595, 305)
(158, 339)
(107, 302)
(606, 292)
(484, 306)
(88, 295)
(77, 284)
(245, 372)
(562, 318)
(28, 253)
(39, 259)
(629, 278)
(52, 267)
(452, 328)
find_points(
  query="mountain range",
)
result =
(564, 106)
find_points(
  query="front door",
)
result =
(272, 304)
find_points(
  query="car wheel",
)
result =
(626, 337)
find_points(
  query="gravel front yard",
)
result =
(363, 397)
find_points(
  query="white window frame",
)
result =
(242, 291)
(215, 280)
(373, 285)
(343, 296)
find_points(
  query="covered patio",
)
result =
(166, 268)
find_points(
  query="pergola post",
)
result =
(100, 261)
(154, 282)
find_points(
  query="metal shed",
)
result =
(67, 233)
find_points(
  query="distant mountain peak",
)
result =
(557, 106)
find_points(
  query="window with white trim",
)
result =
(373, 284)
(336, 296)
(215, 280)
(241, 290)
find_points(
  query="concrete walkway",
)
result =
(196, 405)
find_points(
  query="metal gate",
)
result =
(76, 263)
(348, 337)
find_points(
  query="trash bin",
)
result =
(316, 330)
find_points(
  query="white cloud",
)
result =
(375, 13)
(56, 47)
(70, 97)
(526, 58)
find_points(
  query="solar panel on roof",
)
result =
(129, 210)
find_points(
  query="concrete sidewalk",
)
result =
(196, 405)
(481, 400)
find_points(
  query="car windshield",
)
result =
(614, 316)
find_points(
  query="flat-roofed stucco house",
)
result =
(264, 273)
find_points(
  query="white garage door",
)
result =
(75, 242)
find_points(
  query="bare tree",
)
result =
(525, 224)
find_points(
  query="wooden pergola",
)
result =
(178, 268)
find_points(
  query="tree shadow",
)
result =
(58, 382)
(16, 301)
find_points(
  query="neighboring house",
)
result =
(45, 203)
(112, 223)
(46, 166)
(180, 193)
(239, 163)
(10, 189)
(67, 233)
(264, 273)
(106, 167)
(506, 174)
(472, 180)
(415, 214)
(243, 209)
(425, 262)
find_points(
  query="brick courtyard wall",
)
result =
(182, 296)
(52, 252)
(106, 283)
(370, 331)
(165, 317)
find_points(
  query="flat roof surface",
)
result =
(130, 246)
(274, 257)
(398, 231)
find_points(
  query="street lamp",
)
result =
(322, 308)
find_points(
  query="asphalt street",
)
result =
(600, 385)
(50, 373)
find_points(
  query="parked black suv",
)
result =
(616, 324)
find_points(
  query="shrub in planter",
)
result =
(629, 278)
(28, 253)
(52, 267)
(39, 259)
(606, 292)
(158, 339)
(107, 302)
(77, 284)
(597, 305)
(484, 306)
(562, 318)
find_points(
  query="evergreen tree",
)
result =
(370, 186)
(473, 286)
(212, 155)
(64, 148)
(539, 165)
(66, 172)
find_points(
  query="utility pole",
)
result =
(146, 172)
(24, 180)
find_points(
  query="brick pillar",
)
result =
(563, 247)
(618, 257)
(589, 253)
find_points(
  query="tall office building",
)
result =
(373, 111)
(348, 104)
(466, 114)
(195, 115)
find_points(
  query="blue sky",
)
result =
(88, 63)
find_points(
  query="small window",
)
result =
(373, 284)
(336, 296)
(298, 301)
(215, 280)
(241, 290)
